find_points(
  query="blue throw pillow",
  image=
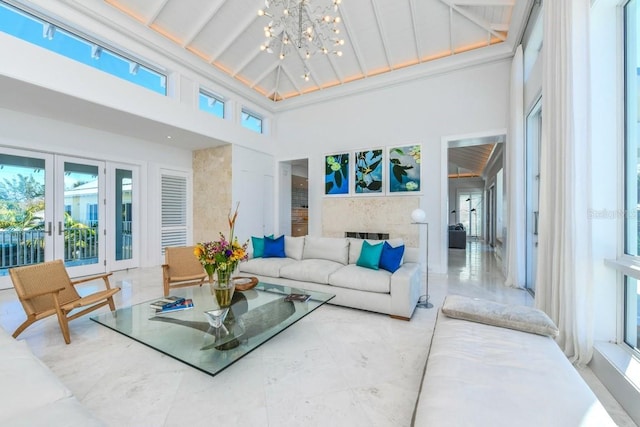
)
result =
(370, 255)
(258, 246)
(391, 257)
(274, 248)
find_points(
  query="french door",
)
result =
(61, 207)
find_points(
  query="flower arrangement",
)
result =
(222, 255)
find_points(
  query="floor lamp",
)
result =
(419, 217)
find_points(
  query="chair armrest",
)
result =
(104, 277)
(39, 294)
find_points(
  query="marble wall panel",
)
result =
(371, 214)
(212, 198)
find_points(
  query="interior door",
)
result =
(122, 217)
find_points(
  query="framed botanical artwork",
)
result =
(404, 169)
(336, 174)
(368, 172)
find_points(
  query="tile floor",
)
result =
(337, 366)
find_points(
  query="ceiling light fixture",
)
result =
(298, 24)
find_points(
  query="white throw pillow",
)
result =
(293, 247)
(329, 248)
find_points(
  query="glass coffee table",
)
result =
(255, 316)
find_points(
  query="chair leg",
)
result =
(24, 326)
(62, 320)
(112, 306)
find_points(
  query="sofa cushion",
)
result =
(274, 248)
(327, 248)
(310, 270)
(257, 243)
(370, 255)
(265, 266)
(355, 246)
(518, 317)
(360, 278)
(391, 258)
(293, 247)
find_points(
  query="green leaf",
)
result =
(398, 151)
(398, 173)
(338, 178)
(375, 165)
(395, 161)
(375, 185)
(328, 187)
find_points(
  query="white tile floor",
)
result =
(337, 366)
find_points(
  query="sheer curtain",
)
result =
(515, 176)
(564, 286)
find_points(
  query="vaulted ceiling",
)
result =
(381, 37)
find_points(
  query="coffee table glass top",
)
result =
(255, 316)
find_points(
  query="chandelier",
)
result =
(296, 25)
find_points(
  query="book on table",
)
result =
(297, 297)
(185, 304)
(167, 302)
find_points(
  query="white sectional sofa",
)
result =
(327, 264)
(479, 374)
(31, 395)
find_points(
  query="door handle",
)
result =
(60, 230)
(49, 229)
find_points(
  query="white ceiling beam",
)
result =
(475, 19)
(416, 39)
(232, 37)
(385, 43)
(252, 54)
(204, 20)
(352, 40)
(265, 73)
(500, 27)
(292, 79)
(161, 4)
(274, 92)
(451, 45)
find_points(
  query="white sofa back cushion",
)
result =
(329, 248)
(293, 247)
(355, 247)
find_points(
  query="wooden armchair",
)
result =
(181, 268)
(45, 289)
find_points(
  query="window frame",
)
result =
(218, 98)
(253, 115)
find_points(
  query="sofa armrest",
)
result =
(405, 289)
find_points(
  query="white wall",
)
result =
(423, 111)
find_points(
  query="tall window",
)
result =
(251, 121)
(53, 37)
(632, 167)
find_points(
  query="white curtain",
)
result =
(515, 166)
(564, 286)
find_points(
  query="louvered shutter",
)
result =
(174, 211)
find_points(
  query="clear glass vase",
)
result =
(223, 288)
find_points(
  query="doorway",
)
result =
(294, 197)
(61, 207)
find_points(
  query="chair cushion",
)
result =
(391, 258)
(370, 255)
(274, 248)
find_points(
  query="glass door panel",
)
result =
(80, 215)
(25, 210)
(122, 216)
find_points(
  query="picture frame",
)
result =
(336, 174)
(405, 171)
(368, 172)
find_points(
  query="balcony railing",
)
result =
(25, 247)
